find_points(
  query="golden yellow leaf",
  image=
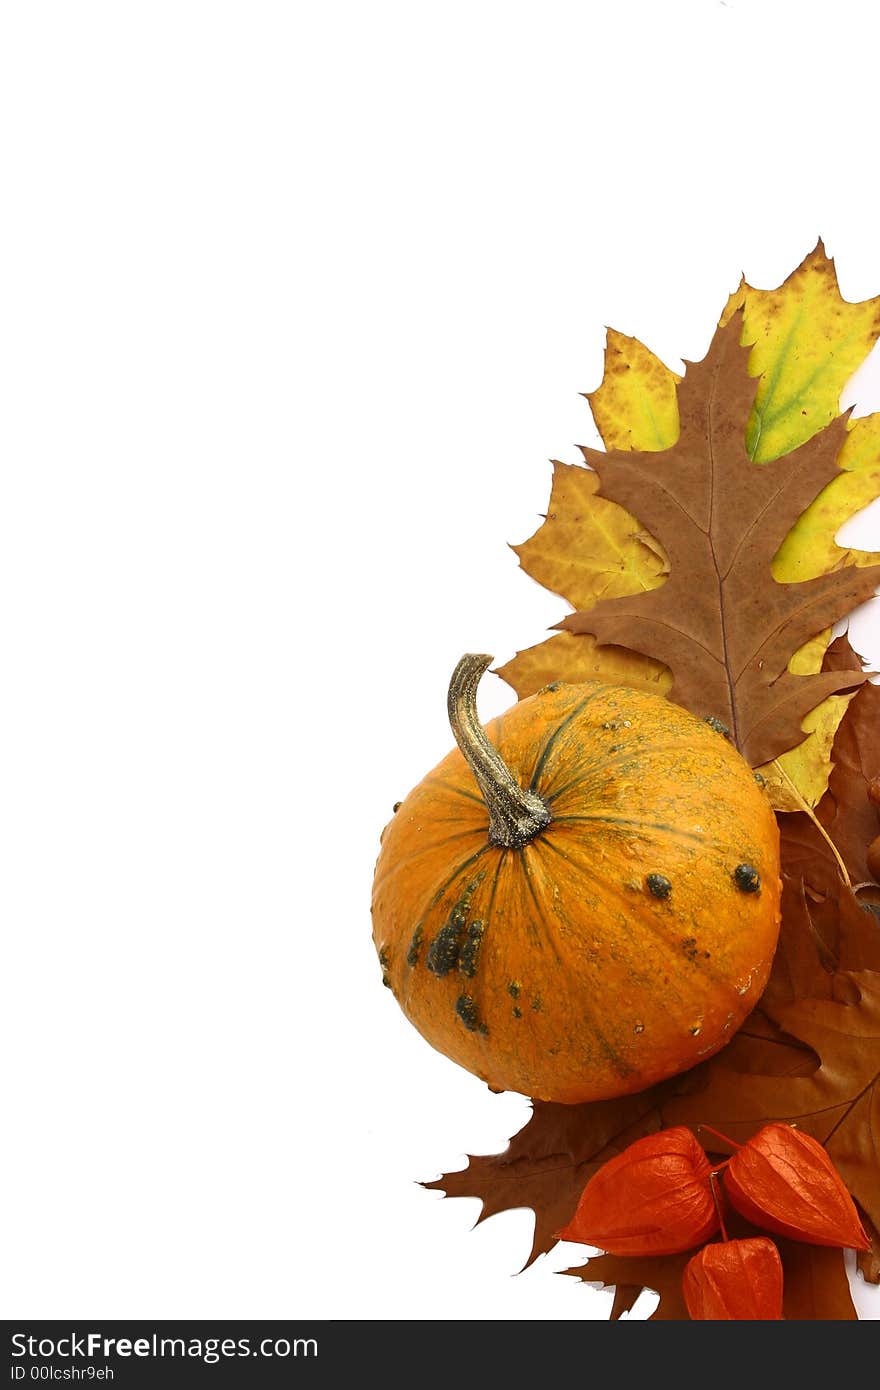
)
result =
(808, 766)
(807, 342)
(635, 407)
(589, 548)
(577, 659)
(809, 548)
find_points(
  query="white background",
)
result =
(297, 302)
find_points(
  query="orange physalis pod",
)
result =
(738, 1280)
(653, 1199)
(783, 1180)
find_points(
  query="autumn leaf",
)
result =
(720, 622)
(799, 777)
(823, 933)
(636, 406)
(847, 813)
(815, 1287)
(807, 342)
(577, 659)
(712, 517)
(839, 1104)
(631, 1274)
(547, 1164)
(869, 1260)
(810, 548)
(594, 549)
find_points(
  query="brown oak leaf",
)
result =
(722, 624)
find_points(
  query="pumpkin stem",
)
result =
(515, 815)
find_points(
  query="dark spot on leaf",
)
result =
(517, 1013)
(514, 988)
(537, 1004)
(396, 807)
(761, 781)
(718, 725)
(659, 885)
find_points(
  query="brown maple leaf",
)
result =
(722, 624)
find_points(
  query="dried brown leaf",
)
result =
(868, 1261)
(850, 817)
(662, 1273)
(839, 1104)
(816, 1285)
(722, 624)
(820, 1062)
(547, 1164)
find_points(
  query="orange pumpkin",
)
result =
(583, 898)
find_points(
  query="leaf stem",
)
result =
(805, 806)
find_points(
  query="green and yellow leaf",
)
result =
(807, 341)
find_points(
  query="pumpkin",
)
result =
(582, 898)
